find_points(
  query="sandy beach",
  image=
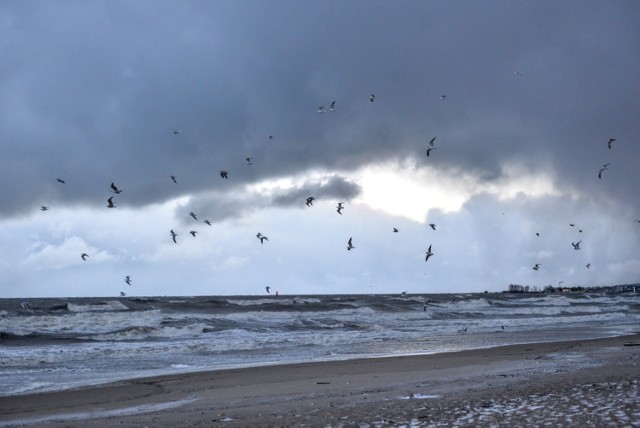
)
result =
(588, 382)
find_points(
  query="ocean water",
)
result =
(56, 343)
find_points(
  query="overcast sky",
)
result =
(522, 98)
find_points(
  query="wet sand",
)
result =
(577, 383)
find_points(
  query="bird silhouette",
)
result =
(350, 244)
(429, 254)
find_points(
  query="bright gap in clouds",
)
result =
(405, 190)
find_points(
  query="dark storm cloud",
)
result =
(92, 92)
(218, 206)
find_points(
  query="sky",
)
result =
(521, 98)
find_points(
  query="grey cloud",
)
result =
(92, 92)
(221, 205)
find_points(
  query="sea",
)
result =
(49, 344)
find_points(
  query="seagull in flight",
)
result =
(176, 132)
(193, 233)
(268, 288)
(429, 254)
(321, 109)
(122, 294)
(588, 265)
(173, 236)
(443, 97)
(517, 73)
(207, 222)
(43, 208)
(248, 161)
(224, 174)
(611, 140)
(127, 279)
(115, 190)
(332, 107)
(395, 230)
(433, 226)
(110, 203)
(432, 142)
(310, 200)
(536, 267)
(192, 214)
(60, 180)
(269, 137)
(350, 244)
(84, 256)
(429, 150)
(173, 177)
(339, 208)
(576, 245)
(261, 237)
(603, 168)
(372, 97)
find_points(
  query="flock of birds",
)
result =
(576, 245)
(225, 175)
(431, 146)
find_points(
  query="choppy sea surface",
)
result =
(57, 343)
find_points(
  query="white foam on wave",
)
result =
(110, 305)
(78, 323)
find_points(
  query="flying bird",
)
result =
(321, 109)
(310, 200)
(84, 256)
(207, 222)
(192, 214)
(173, 236)
(173, 177)
(395, 230)
(261, 237)
(193, 233)
(43, 208)
(432, 142)
(127, 279)
(429, 254)
(115, 190)
(269, 137)
(350, 244)
(429, 151)
(224, 174)
(268, 288)
(339, 208)
(576, 245)
(332, 107)
(536, 267)
(517, 73)
(443, 97)
(122, 294)
(433, 226)
(603, 168)
(588, 265)
(611, 140)
(110, 203)
(372, 97)
(60, 180)
(176, 132)
(248, 161)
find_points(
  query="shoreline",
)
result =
(335, 392)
